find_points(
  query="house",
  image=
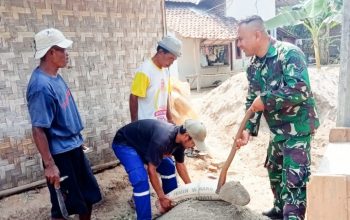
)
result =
(284, 35)
(208, 29)
(266, 9)
(208, 41)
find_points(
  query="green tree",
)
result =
(318, 16)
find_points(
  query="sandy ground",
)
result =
(221, 109)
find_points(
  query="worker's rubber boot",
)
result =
(273, 214)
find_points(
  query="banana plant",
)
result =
(316, 15)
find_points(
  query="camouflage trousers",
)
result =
(288, 165)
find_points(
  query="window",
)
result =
(214, 55)
(238, 51)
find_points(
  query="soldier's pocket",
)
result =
(297, 165)
(297, 175)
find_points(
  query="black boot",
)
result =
(273, 214)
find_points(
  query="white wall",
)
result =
(241, 9)
(187, 60)
(239, 64)
(188, 64)
(174, 68)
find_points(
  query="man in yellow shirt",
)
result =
(149, 98)
(150, 87)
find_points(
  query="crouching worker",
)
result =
(148, 142)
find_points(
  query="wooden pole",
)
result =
(196, 51)
(343, 113)
(41, 183)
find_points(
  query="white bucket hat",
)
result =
(48, 38)
(197, 131)
(171, 44)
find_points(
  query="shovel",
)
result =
(60, 199)
(223, 174)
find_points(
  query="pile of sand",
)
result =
(222, 110)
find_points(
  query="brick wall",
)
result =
(111, 38)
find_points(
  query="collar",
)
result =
(271, 52)
(173, 145)
(40, 70)
(157, 67)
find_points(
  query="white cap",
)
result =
(171, 44)
(48, 38)
(197, 131)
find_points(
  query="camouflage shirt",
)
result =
(282, 81)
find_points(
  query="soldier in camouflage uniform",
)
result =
(279, 88)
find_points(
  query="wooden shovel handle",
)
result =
(223, 174)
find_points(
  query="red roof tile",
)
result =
(196, 23)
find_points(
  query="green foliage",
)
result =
(317, 16)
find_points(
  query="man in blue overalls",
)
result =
(148, 142)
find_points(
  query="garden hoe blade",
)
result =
(60, 199)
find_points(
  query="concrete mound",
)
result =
(234, 193)
(209, 210)
(198, 205)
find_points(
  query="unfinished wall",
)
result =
(111, 38)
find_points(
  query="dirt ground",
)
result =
(221, 109)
